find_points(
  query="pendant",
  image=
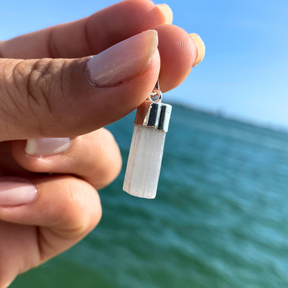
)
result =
(147, 146)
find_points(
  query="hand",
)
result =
(53, 100)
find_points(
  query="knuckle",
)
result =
(30, 88)
(82, 207)
(11, 109)
(113, 163)
(102, 172)
(40, 85)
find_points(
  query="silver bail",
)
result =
(153, 113)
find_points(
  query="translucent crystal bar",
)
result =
(144, 162)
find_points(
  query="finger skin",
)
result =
(17, 247)
(65, 209)
(94, 157)
(59, 102)
(88, 36)
(92, 35)
(178, 55)
(52, 98)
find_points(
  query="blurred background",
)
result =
(220, 216)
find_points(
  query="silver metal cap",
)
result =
(154, 114)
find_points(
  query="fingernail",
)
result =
(200, 47)
(47, 146)
(167, 12)
(122, 61)
(15, 192)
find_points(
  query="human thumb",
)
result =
(70, 97)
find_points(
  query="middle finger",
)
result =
(94, 157)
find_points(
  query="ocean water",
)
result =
(220, 218)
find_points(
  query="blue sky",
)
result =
(245, 71)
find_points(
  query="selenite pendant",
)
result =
(147, 146)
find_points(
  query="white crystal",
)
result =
(144, 162)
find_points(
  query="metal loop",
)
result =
(156, 93)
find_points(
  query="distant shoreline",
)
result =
(223, 115)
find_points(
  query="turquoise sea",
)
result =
(220, 218)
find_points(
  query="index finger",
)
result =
(91, 35)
